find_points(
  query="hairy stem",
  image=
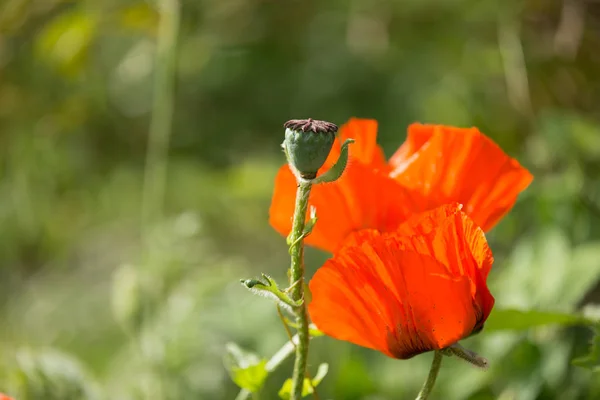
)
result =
(297, 284)
(433, 373)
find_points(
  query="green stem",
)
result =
(297, 280)
(433, 373)
(244, 394)
(162, 113)
(155, 174)
(299, 341)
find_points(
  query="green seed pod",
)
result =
(307, 144)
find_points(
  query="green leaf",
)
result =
(314, 331)
(66, 39)
(308, 387)
(250, 378)
(592, 360)
(246, 369)
(51, 375)
(511, 319)
(545, 271)
(312, 328)
(286, 390)
(321, 373)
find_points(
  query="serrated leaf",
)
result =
(511, 319)
(308, 387)
(592, 360)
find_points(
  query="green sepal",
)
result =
(335, 172)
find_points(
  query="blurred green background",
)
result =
(119, 278)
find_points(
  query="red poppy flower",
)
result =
(435, 166)
(5, 397)
(420, 288)
(442, 164)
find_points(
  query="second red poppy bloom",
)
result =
(420, 288)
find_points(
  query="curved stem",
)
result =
(433, 373)
(297, 284)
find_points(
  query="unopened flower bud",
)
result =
(307, 145)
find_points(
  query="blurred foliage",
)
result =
(75, 100)
(592, 360)
(247, 370)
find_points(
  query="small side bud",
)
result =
(250, 283)
(268, 288)
(307, 145)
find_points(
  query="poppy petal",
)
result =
(381, 296)
(357, 238)
(361, 198)
(418, 135)
(445, 233)
(446, 164)
(449, 236)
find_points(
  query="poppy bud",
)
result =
(307, 144)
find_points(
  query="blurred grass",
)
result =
(75, 100)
